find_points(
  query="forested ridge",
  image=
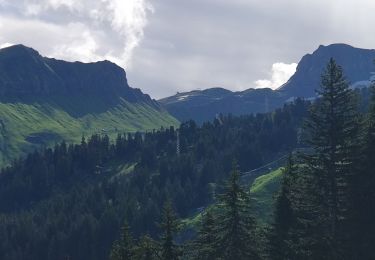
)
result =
(72, 199)
(123, 199)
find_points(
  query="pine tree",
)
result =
(123, 249)
(169, 226)
(333, 137)
(283, 216)
(204, 245)
(235, 225)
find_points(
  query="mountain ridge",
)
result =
(45, 100)
(49, 76)
(203, 105)
(357, 64)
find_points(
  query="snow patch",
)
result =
(182, 98)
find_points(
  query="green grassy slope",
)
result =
(25, 126)
(263, 192)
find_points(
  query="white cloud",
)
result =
(191, 44)
(6, 44)
(129, 19)
(85, 30)
(280, 74)
(82, 45)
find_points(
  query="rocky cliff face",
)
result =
(24, 72)
(358, 65)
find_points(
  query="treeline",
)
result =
(70, 201)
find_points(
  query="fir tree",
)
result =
(169, 226)
(123, 249)
(365, 239)
(204, 245)
(235, 225)
(146, 249)
(283, 215)
(333, 133)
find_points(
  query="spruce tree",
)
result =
(280, 237)
(330, 168)
(204, 245)
(169, 226)
(123, 249)
(235, 224)
(146, 249)
(365, 239)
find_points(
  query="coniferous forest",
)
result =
(125, 198)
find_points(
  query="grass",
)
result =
(27, 126)
(263, 191)
(121, 169)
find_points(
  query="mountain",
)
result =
(357, 64)
(203, 105)
(25, 73)
(44, 100)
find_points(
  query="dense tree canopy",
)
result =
(73, 198)
(325, 194)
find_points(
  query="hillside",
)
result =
(263, 191)
(203, 105)
(44, 101)
(74, 198)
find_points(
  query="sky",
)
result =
(169, 46)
